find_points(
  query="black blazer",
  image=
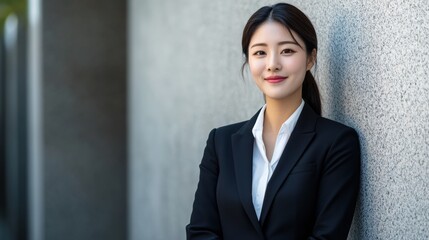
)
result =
(311, 194)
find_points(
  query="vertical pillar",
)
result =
(78, 120)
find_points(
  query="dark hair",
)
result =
(293, 19)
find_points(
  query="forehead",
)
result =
(274, 32)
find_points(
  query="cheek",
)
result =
(256, 67)
(296, 65)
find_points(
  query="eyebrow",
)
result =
(280, 43)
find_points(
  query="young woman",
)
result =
(287, 173)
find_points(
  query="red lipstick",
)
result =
(275, 79)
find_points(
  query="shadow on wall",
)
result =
(344, 68)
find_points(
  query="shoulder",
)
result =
(326, 124)
(335, 131)
(220, 137)
(230, 128)
(329, 124)
(226, 131)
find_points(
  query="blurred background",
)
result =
(63, 120)
(105, 107)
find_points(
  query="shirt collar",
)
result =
(287, 126)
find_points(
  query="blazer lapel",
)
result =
(242, 148)
(298, 141)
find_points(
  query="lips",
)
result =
(275, 79)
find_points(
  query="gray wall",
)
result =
(372, 71)
(81, 169)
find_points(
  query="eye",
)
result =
(259, 53)
(287, 51)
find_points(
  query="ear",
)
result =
(311, 59)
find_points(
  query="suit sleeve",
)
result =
(205, 223)
(338, 189)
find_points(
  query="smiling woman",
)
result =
(278, 62)
(287, 173)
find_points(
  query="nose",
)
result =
(273, 64)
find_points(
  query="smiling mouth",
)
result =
(275, 79)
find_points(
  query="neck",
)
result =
(278, 111)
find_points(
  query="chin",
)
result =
(282, 95)
(277, 94)
(276, 97)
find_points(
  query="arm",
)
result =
(338, 189)
(205, 223)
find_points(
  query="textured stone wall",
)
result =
(185, 79)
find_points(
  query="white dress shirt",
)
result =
(262, 168)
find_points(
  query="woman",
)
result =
(287, 173)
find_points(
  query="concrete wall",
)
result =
(372, 71)
(80, 121)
